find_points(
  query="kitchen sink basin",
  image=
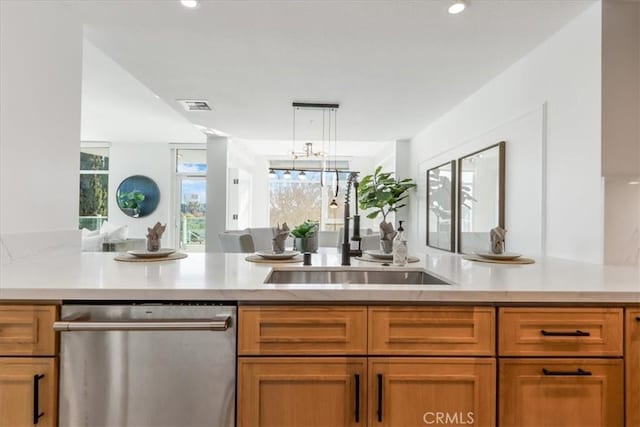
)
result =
(346, 276)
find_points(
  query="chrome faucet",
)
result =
(347, 252)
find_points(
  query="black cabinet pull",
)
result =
(357, 379)
(36, 398)
(577, 333)
(638, 318)
(379, 412)
(578, 372)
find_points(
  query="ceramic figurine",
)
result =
(497, 240)
(153, 238)
(279, 237)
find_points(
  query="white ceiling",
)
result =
(118, 108)
(394, 66)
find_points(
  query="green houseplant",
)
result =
(130, 202)
(383, 194)
(305, 236)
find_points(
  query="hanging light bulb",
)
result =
(333, 204)
(302, 175)
(287, 174)
(272, 173)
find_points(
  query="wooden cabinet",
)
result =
(561, 392)
(301, 392)
(28, 389)
(27, 330)
(419, 391)
(28, 385)
(560, 332)
(632, 369)
(302, 330)
(432, 331)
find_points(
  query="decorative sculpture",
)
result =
(497, 240)
(387, 234)
(279, 237)
(153, 238)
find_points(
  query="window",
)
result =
(294, 198)
(191, 173)
(94, 185)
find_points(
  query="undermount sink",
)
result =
(347, 276)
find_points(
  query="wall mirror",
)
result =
(441, 206)
(138, 196)
(481, 193)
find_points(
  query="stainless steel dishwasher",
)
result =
(135, 365)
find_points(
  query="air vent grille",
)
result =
(195, 104)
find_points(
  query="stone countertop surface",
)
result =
(228, 277)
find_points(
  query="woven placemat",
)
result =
(130, 258)
(499, 261)
(369, 258)
(259, 260)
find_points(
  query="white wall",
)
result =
(257, 167)
(149, 159)
(564, 74)
(40, 81)
(217, 173)
(621, 131)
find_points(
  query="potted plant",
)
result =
(130, 202)
(305, 236)
(384, 194)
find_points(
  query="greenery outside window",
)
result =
(94, 185)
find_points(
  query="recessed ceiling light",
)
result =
(189, 3)
(457, 7)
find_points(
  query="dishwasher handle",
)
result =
(217, 324)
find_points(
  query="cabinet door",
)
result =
(561, 392)
(632, 358)
(406, 392)
(301, 392)
(28, 385)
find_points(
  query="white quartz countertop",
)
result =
(97, 276)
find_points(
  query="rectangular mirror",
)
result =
(441, 206)
(480, 197)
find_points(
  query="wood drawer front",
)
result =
(560, 332)
(292, 330)
(27, 330)
(433, 331)
(529, 398)
(632, 359)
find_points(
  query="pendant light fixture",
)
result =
(272, 173)
(302, 175)
(287, 174)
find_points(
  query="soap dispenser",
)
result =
(400, 250)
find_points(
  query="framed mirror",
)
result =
(138, 196)
(441, 206)
(481, 193)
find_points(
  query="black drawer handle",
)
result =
(36, 398)
(379, 412)
(638, 318)
(357, 381)
(577, 333)
(578, 372)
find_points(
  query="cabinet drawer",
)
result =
(560, 332)
(561, 392)
(27, 330)
(434, 331)
(317, 330)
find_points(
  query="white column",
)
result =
(217, 165)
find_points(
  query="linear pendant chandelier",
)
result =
(330, 115)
